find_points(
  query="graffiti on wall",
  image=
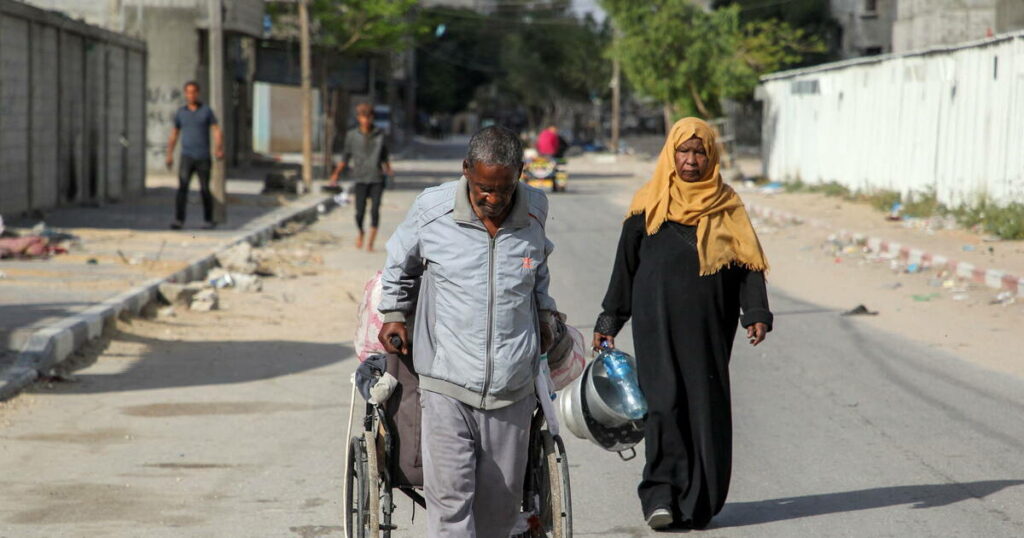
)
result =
(161, 104)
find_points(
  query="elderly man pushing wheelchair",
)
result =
(469, 264)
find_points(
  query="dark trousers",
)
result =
(201, 167)
(375, 191)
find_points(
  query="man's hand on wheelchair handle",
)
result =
(390, 331)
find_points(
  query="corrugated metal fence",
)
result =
(946, 119)
(72, 111)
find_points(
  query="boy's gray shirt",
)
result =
(476, 299)
(364, 155)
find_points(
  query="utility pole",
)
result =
(307, 97)
(616, 102)
(216, 60)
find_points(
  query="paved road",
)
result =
(233, 428)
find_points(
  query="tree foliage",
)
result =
(690, 59)
(355, 25)
(532, 56)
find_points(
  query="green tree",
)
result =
(353, 26)
(365, 25)
(810, 17)
(532, 56)
(690, 59)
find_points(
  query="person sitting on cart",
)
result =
(470, 262)
(550, 144)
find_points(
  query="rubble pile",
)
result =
(947, 284)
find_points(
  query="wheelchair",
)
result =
(380, 462)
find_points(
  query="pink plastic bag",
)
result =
(572, 367)
(369, 320)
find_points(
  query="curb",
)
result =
(991, 278)
(49, 346)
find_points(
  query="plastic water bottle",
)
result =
(623, 377)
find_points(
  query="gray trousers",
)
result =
(474, 464)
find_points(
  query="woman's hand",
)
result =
(600, 339)
(756, 333)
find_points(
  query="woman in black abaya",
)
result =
(688, 263)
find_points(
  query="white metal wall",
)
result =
(948, 119)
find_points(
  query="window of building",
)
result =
(872, 51)
(870, 7)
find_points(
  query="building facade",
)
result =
(866, 26)
(72, 111)
(175, 32)
(921, 24)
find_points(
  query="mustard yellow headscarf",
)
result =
(724, 233)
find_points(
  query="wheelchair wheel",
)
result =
(357, 497)
(558, 508)
(373, 483)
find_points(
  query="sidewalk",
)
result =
(125, 250)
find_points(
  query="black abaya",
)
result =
(683, 329)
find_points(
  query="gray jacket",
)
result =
(476, 300)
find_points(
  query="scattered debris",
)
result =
(859, 310)
(180, 294)
(248, 283)
(157, 310)
(914, 268)
(205, 300)
(892, 286)
(92, 261)
(895, 212)
(238, 259)
(967, 248)
(29, 247)
(219, 279)
(960, 296)
(773, 188)
(925, 298)
(1005, 297)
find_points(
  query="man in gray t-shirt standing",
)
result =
(365, 156)
(193, 123)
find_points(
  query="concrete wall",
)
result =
(15, 120)
(169, 68)
(948, 120)
(925, 23)
(57, 108)
(863, 30)
(175, 32)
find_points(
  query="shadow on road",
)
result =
(168, 364)
(740, 514)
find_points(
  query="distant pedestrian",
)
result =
(688, 264)
(365, 155)
(193, 123)
(548, 142)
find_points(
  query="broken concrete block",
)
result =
(238, 259)
(174, 293)
(205, 300)
(247, 283)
